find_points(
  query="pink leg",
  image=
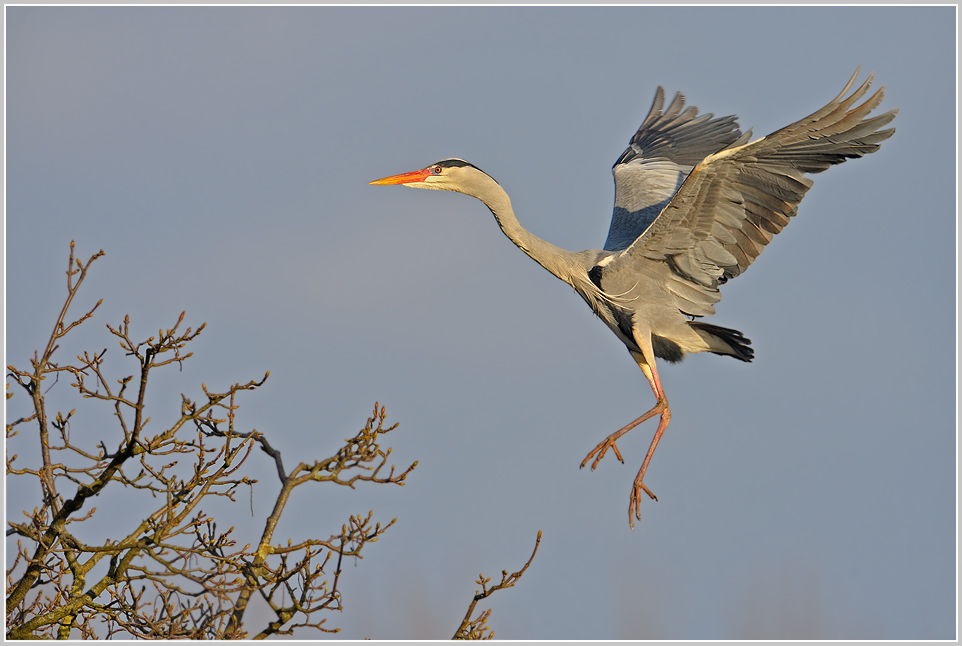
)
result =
(609, 442)
(661, 406)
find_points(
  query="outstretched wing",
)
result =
(658, 159)
(736, 200)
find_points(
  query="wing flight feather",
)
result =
(735, 200)
(659, 157)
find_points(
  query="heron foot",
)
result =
(634, 506)
(601, 449)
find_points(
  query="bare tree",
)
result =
(172, 572)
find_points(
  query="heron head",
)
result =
(446, 175)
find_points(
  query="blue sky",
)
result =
(220, 157)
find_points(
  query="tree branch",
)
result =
(475, 628)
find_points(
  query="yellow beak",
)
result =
(404, 178)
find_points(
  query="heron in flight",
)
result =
(695, 203)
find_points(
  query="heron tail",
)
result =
(723, 340)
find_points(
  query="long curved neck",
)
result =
(558, 261)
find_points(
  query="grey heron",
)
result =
(695, 203)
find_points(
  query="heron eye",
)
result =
(437, 170)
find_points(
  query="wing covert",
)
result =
(659, 157)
